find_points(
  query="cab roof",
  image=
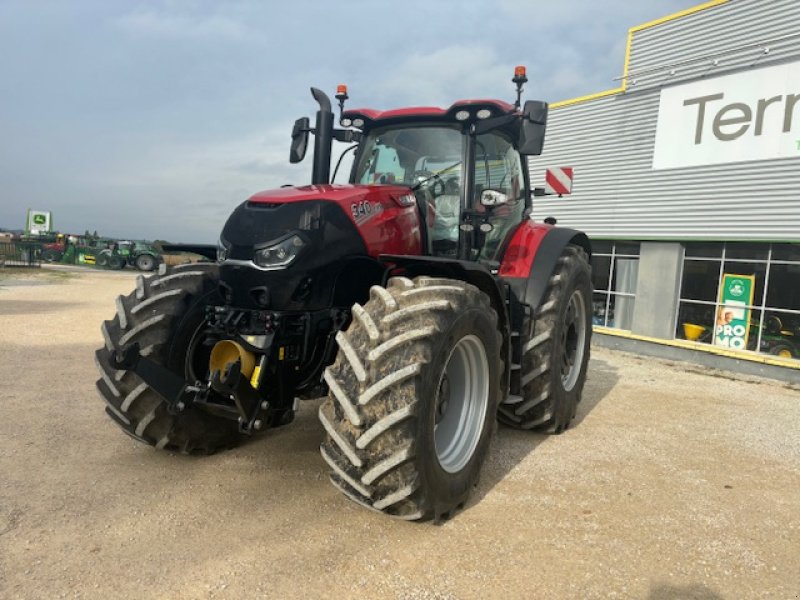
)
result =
(371, 117)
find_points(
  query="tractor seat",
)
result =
(447, 210)
(774, 325)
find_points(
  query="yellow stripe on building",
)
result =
(701, 347)
(629, 42)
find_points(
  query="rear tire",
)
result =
(146, 262)
(163, 315)
(413, 397)
(556, 350)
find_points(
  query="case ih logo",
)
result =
(751, 115)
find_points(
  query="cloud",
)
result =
(469, 70)
(155, 121)
(161, 24)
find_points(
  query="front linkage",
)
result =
(248, 348)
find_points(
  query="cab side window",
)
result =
(498, 167)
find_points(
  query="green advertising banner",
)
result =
(733, 317)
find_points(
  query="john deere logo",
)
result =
(736, 288)
(39, 219)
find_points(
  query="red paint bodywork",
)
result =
(389, 228)
(525, 242)
(425, 112)
(392, 228)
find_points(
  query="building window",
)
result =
(615, 269)
(744, 296)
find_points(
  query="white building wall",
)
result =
(610, 141)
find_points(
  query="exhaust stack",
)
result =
(323, 140)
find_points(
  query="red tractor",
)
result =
(420, 298)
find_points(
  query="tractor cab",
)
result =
(463, 164)
(466, 185)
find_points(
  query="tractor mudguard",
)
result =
(532, 255)
(463, 270)
(471, 272)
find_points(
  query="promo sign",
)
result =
(733, 317)
(753, 115)
(39, 221)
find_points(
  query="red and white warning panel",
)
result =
(558, 180)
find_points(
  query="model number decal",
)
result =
(361, 210)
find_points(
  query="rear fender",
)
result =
(531, 257)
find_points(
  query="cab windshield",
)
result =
(408, 155)
(430, 160)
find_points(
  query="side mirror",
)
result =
(297, 151)
(492, 198)
(534, 123)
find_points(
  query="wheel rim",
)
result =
(146, 263)
(573, 338)
(461, 402)
(785, 353)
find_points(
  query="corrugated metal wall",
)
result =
(609, 141)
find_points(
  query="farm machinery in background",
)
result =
(779, 337)
(118, 255)
(420, 300)
(102, 252)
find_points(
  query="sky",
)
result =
(153, 120)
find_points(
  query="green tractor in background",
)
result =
(139, 254)
(778, 339)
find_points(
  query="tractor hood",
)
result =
(385, 216)
(339, 193)
(286, 249)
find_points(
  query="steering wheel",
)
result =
(422, 178)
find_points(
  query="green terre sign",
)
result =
(733, 316)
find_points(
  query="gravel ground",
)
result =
(674, 483)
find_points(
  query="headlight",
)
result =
(281, 254)
(222, 251)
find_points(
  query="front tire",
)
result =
(555, 350)
(413, 397)
(164, 315)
